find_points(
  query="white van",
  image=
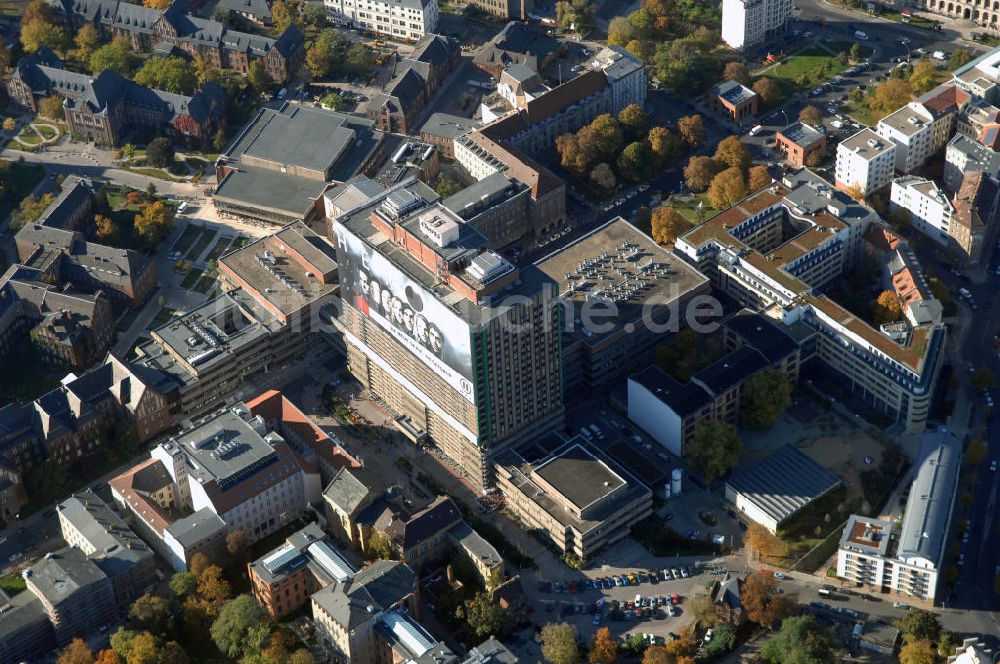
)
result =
(823, 592)
(756, 130)
(182, 207)
(861, 34)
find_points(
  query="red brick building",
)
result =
(801, 144)
(737, 102)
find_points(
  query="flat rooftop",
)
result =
(867, 535)
(932, 496)
(866, 144)
(598, 469)
(62, 573)
(225, 446)
(284, 158)
(802, 134)
(205, 337)
(580, 477)
(620, 266)
(783, 483)
(906, 121)
(447, 126)
(289, 269)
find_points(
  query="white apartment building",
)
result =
(626, 75)
(866, 160)
(910, 130)
(930, 210)
(748, 22)
(872, 556)
(400, 19)
(231, 466)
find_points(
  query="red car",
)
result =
(676, 599)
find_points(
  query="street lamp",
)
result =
(783, 112)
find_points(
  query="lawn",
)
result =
(24, 178)
(46, 131)
(191, 277)
(207, 235)
(814, 63)
(689, 209)
(220, 247)
(163, 316)
(860, 112)
(29, 136)
(204, 284)
(12, 584)
(157, 173)
(132, 354)
(915, 21)
(25, 377)
(187, 238)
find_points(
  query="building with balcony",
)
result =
(930, 210)
(406, 20)
(749, 22)
(866, 162)
(908, 563)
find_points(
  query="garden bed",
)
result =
(191, 278)
(206, 237)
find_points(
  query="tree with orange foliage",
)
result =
(762, 602)
(76, 652)
(603, 649)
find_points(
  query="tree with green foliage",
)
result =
(143, 649)
(219, 141)
(714, 448)
(241, 627)
(575, 15)
(152, 613)
(959, 58)
(559, 644)
(116, 56)
(282, 16)
(121, 641)
(482, 615)
(258, 76)
(635, 163)
(446, 187)
(160, 152)
(801, 640)
(765, 397)
(923, 76)
(919, 624)
(380, 547)
(174, 74)
(39, 27)
(633, 121)
(723, 640)
(183, 584)
(620, 31)
(359, 58)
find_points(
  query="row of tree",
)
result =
(622, 147)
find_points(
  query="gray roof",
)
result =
(783, 483)
(682, 398)
(733, 91)
(617, 63)
(471, 197)
(258, 8)
(376, 588)
(802, 134)
(448, 126)
(111, 543)
(345, 491)
(928, 509)
(21, 616)
(197, 527)
(490, 651)
(473, 543)
(59, 575)
(728, 592)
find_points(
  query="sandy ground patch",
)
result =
(844, 456)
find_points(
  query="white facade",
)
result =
(480, 163)
(930, 210)
(911, 131)
(867, 160)
(653, 416)
(401, 19)
(626, 75)
(897, 576)
(748, 22)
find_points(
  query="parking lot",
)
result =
(650, 602)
